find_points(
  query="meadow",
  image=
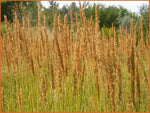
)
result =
(77, 67)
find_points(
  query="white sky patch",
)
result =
(133, 6)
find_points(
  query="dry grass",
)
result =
(72, 68)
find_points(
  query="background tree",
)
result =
(23, 9)
(118, 15)
(6, 10)
(50, 12)
(66, 10)
(144, 13)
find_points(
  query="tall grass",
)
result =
(75, 68)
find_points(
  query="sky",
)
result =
(133, 6)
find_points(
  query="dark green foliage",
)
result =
(6, 9)
(144, 13)
(118, 15)
(50, 13)
(32, 7)
(23, 9)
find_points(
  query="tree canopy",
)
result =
(117, 15)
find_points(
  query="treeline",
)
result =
(117, 15)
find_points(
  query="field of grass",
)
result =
(3, 30)
(77, 68)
